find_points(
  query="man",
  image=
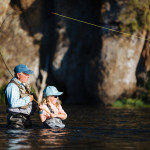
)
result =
(19, 99)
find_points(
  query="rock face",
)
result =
(119, 60)
(88, 63)
(16, 41)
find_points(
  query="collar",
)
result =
(19, 83)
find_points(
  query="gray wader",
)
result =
(53, 122)
(19, 117)
(18, 121)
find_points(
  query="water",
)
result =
(87, 127)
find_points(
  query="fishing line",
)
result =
(128, 34)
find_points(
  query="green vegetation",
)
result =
(136, 16)
(2, 95)
(131, 103)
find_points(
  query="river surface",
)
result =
(87, 127)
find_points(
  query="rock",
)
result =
(120, 57)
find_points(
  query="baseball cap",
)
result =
(22, 68)
(51, 90)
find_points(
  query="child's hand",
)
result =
(41, 107)
(53, 115)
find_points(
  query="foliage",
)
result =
(32, 90)
(2, 95)
(136, 16)
(131, 103)
(144, 92)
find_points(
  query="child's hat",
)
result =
(51, 90)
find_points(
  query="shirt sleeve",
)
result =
(61, 109)
(13, 96)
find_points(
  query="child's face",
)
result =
(52, 99)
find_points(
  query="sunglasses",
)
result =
(55, 96)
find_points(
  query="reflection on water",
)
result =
(17, 139)
(87, 127)
(31, 139)
(52, 137)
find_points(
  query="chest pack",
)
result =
(50, 109)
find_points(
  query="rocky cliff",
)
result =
(88, 63)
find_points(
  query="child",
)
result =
(51, 112)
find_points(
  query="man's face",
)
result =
(23, 77)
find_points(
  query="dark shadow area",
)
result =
(77, 76)
(141, 72)
(76, 69)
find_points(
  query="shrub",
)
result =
(136, 16)
(2, 95)
(130, 103)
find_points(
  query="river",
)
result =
(87, 127)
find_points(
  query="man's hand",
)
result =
(31, 98)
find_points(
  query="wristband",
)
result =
(41, 112)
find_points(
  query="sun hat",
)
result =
(22, 68)
(51, 90)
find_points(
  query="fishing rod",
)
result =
(13, 76)
(5, 64)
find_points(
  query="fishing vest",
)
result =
(26, 91)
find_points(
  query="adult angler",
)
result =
(19, 99)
